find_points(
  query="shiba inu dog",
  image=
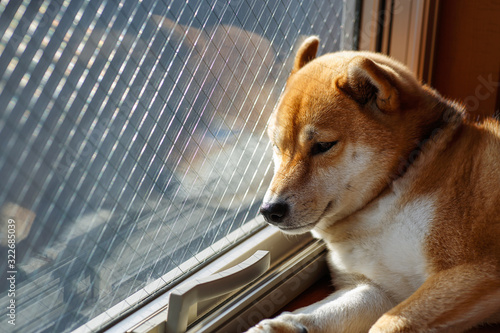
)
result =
(402, 186)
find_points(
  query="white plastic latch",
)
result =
(183, 300)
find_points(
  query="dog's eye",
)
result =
(322, 147)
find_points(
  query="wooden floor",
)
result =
(315, 293)
(323, 288)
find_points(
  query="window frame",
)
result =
(404, 30)
(152, 315)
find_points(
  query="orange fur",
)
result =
(395, 148)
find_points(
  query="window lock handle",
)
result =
(183, 299)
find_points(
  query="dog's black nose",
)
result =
(274, 212)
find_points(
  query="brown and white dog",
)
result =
(399, 183)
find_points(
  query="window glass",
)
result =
(132, 138)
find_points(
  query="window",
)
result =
(132, 142)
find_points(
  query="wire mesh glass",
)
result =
(132, 137)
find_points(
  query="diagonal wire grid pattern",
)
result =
(132, 137)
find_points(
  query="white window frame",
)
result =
(406, 33)
(151, 317)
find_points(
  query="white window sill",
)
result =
(294, 259)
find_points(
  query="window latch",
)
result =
(184, 299)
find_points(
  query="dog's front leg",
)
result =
(346, 310)
(452, 300)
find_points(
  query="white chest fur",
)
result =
(385, 243)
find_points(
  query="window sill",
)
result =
(296, 263)
(269, 294)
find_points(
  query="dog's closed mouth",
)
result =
(297, 227)
(327, 208)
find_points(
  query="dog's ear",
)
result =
(307, 52)
(365, 80)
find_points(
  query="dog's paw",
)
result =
(285, 323)
(388, 323)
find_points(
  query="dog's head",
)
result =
(339, 131)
